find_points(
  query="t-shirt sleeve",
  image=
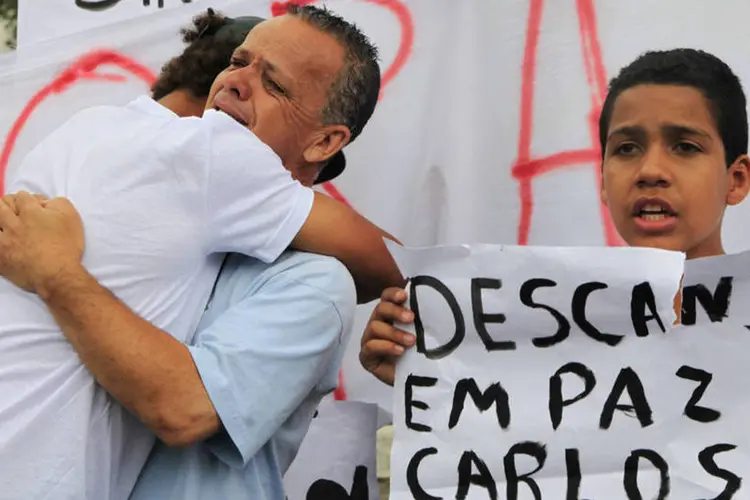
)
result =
(261, 359)
(253, 206)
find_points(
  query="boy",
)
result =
(673, 133)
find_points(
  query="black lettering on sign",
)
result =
(563, 325)
(96, 4)
(99, 5)
(481, 318)
(412, 475)
(458, 317)
(628, 380)
(534, 450)
(630, 480)
(573, 468)
(556, 401)
(580, 300)
(643, 297)
(466, 476)
(692, 410)
(706, 459)
(409, 401)
(331, 490)
(495, 394)
(715, 304)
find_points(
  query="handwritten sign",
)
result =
(337, 458)
(555, 373)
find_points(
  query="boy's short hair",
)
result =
(211, 40)
(691, 68)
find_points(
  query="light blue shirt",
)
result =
(268, 349)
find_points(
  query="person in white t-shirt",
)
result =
(162, 198)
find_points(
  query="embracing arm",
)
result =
(334, 229)
(144, 368)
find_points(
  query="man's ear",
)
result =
(603, 192)
(327, 143)
(738, 181)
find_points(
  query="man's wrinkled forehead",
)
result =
(295, 47)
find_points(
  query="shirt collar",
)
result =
(149, 105)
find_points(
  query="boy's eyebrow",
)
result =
(627, 130)
(670, 129)
(680, 130)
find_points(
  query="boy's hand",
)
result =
(39, 239)
(382, 343)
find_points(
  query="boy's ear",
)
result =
(738, 181)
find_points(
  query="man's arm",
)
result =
(337, 230)
(144, 368)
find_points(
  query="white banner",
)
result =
(337, 458)
(42, 20)
(485, 129)
(555, 373)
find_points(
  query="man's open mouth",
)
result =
(238, 120)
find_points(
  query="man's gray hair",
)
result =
(354, 93)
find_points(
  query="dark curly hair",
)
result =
(209, 49)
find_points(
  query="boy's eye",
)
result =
(237, 63)
(626, 149)
(687, 147)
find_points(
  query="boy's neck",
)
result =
(706, 253)
(710, 247)
(183, 104)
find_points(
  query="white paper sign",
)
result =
(546, 373)
(337, 458)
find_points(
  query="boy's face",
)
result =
(665, 178)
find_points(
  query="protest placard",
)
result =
(337, 458)
(554, 373)
(716, 289)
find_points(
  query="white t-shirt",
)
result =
(161, 197)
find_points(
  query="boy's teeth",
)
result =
(652, 209)
(647, 216)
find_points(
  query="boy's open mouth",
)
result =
(654, 212)
(654, 215)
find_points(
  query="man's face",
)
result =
(665, 178)
(277, 85)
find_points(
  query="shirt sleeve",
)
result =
(253, 205)
(261, 358)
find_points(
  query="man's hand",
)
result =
(39, 240)
(382, 343)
